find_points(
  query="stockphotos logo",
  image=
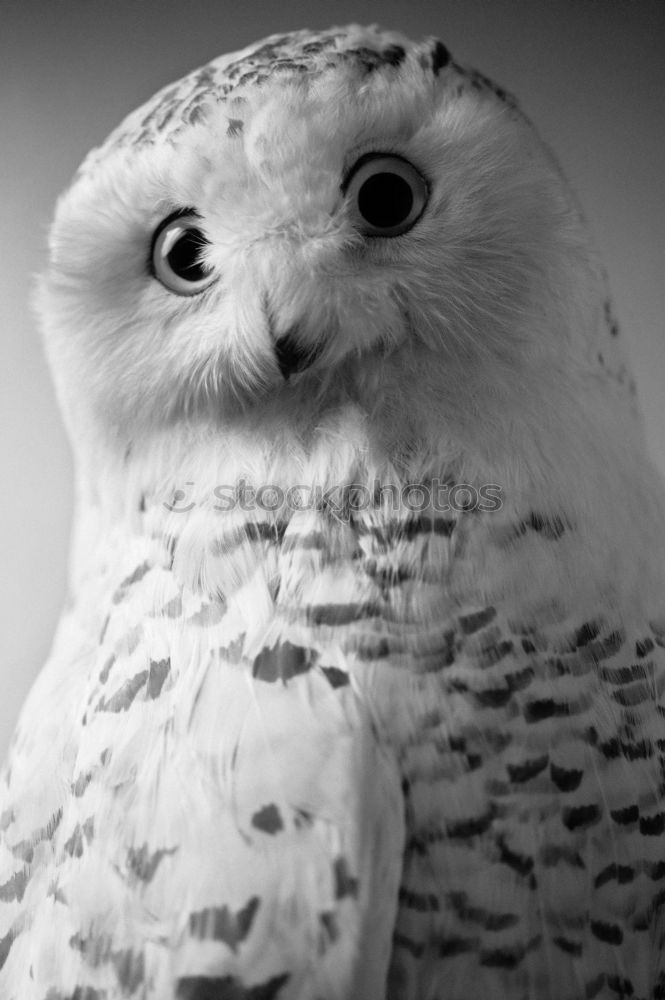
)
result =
(344, 500)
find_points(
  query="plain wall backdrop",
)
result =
(588, 72)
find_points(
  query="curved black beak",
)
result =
(291, 355)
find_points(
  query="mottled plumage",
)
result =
(302, 736)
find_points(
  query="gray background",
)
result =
(589, 72)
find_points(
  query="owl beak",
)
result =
(292, 357)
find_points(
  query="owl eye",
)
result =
(176, 254)
(386, 193)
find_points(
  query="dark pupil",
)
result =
(385, 200)
(183, 256)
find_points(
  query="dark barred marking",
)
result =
(587, 632)
(644, 646)
(143, 863)
(509, 958)
(335, 677)
(481, 83)
(159, 670)
(79, 786)
(46, 832)
(14, 888)
(615, 873)
(24, 851)
(644, 920)
(452, 946)
(80, 993)
(104, 628)
(626, 675)
(446, 649)
(340, 614)
(173, 609)
(388, 576)
(283, 662)
(80, 834)
(372, 60)
(652, 826)
(268, 819)
(233, 652)
(7, 817)
(219, 923)
(600, 649)
(262, 531)
(375, 649)
(234, 127)
(133, 578)
(74, 844)
(440, 57)
(610, 933)
(328, 921)
(545, 708)
(129, 967)
(476, 620)
(492, 697)
(170, 545)
(253, 531)
(423, 902)
(494, 742)
(124, 696)
(208, 614)
(636, 694)
(623, 987)
(472, 827)
(56, 893)
(310, 541)
(495, 652)
(459, 903)
(594, 986)
(565, 779)
(550, 528)
(415, 948)
(228, 988)
(520, 863)
(570, 947)
(574, 817)
(519, 680)
(519, 773)
(5, 944)
(302, 818)
(345, 883)
(576, 666)
(610, 320)
(106, 669)
(458, 745)
(615, 747)
(393, 55)
(405, 531)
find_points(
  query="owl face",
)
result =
(301, 221)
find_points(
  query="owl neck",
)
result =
(560, 465)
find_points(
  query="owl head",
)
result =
(323, 220)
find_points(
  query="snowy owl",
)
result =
(358, 689)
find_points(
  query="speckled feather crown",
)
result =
(190, 100)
